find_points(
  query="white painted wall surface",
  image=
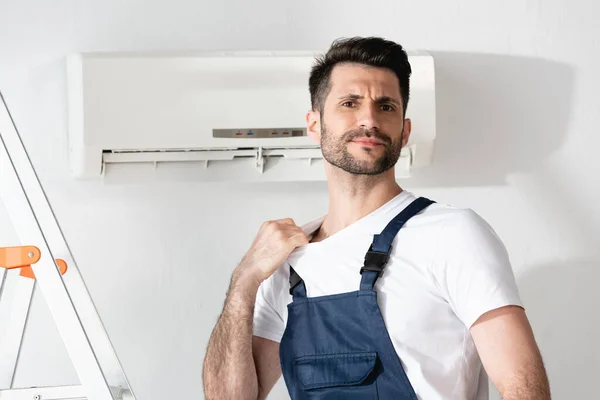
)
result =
(518, 115)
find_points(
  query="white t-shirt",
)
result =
(447, 268)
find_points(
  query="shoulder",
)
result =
(458, 223)
(458, 232)
(462, 237)
(468, 229)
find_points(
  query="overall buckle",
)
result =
(375, 261)
(295, 280)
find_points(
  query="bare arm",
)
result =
(510, 355)
(237, 365)
(268, 369)
(229, 369)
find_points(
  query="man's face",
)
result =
(362, 127)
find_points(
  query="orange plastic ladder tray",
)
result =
(23, 257)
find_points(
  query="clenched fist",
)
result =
(272, 245)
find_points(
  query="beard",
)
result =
(335, 151)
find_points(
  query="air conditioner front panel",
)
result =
(177, 102)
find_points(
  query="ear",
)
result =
(407, 130)
(313, 125)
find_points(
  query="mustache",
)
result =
(371, 133)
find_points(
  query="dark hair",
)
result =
(372, 51)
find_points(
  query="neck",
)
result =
(351, 197)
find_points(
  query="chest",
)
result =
(407, 294)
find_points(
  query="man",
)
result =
(388, 295)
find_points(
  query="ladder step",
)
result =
(71, 392)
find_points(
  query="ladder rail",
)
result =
(14, 314)
(78, 322)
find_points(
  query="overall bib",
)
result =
(337, 346)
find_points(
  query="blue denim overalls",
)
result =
(337, 346)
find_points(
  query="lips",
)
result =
(369, 142)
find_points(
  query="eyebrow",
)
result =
(382, 99)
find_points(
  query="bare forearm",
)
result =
(229, 370)
(528, 384)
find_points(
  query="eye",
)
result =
(348, 103)
(387, 107)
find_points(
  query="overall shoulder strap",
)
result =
(379, 252)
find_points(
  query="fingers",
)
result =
(285, 221)
(296, 235)
(299, 239)
(286, 229)
(278, 223)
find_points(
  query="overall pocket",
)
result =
(349, 376)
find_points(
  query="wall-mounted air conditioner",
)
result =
(226, 115)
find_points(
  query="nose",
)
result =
(367, 117)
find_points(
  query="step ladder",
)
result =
(43, 259)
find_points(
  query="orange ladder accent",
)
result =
(23, 257)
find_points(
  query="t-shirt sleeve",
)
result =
(268, 319)
(472, 268)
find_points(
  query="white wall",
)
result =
(518, 117)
